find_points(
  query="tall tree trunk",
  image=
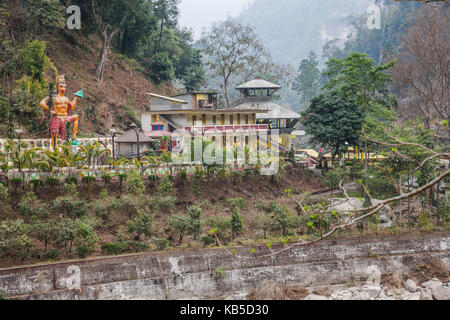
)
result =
(103, 57)
(160, 35)
(107, 37)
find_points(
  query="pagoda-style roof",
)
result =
(275, 111)
(258, 84)
(130, 137)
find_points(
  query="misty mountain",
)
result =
(292, 28)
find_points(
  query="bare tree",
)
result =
(230, 48)
(108, 27)
(422, 74)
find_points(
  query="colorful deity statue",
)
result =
(60, 112)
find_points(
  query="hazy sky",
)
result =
(198, 14)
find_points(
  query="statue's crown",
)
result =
(60, 79)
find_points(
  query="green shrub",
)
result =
(134, 184)
(162, 204)
(335, 176)
(29, 206)
(195, 223)
(127, 204)
(263, 222)
(380, 186)
(14, 238)
(114, 248)
(4, 195)
(85, 238)
(236, 223)
(70, 206)
(141, 225)
(220, 224)
(84, 251)
(165, 187)
(53, 181)
(207, 240)
(137, 246)
(153, 178)
(161, 244)
(51, 254)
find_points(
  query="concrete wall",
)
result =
(190, 274)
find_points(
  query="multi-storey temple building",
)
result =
(196, 113)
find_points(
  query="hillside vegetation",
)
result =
(145, 52)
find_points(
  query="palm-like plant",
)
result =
(17, 152)
(72, 159)
(92, 151)
(4, 165)
(52, 161)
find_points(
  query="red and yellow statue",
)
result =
(60, 113)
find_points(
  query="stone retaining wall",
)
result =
(197, 274)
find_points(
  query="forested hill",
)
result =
(290, 29)
(145, 51)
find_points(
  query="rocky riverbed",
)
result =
(433, 289)
(429, 290)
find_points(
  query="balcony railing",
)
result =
(227, 128)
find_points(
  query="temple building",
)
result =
(196, 113)
(257, 95)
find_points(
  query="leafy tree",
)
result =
(65, 233)
(162, 68)
(358, 77)
(85, 238)
(283, 218)
(307, 81)
(180, 224)
(166, 12)
(45, 231)
(141, 225)
(14, 238)
(189, 66)
(333, 120)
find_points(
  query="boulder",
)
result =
(432, 283)
(342, 295)
(425, 294)
(440, 292)
(410, 285)
(386, 215)
(370, 292)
